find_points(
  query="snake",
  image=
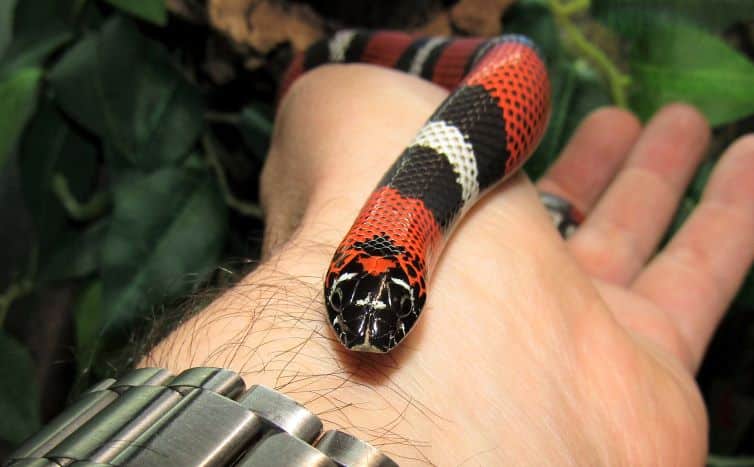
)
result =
(497, 111)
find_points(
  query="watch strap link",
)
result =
(202, 417)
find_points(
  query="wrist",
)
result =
(271, 329)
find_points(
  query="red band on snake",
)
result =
(376, 285)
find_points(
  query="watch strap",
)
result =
(202, 417)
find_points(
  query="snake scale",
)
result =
(494, 117)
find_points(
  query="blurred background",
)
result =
(132, 134)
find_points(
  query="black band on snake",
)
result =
(495, 116)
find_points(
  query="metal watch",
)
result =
(202, 417)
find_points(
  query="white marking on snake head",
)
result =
(342, 277)
(373, 303)
(400, 282)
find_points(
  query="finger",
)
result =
(592, 157)
(627, 223)
(697, 275)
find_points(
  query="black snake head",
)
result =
(371, 312)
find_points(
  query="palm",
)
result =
(659, 403)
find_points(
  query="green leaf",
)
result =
(39, 28)
(88, 313)
(631, 17)
(684, 63)
(730, 461)
(256, 128)
(123, 87)
(19, 400)
(7, 9)
(17, 232)
(75, 257)
(18, 96)
(49, 146)
(167, 227)
(150, 10)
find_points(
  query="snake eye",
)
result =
(336, 300)
(406, 306)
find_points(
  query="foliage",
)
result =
(152, 125)
(630, 17)
(714, 78)
(164, 225)
(136, 170)
(18, 93)
(18, 394)
(150, 10)
(102, 126)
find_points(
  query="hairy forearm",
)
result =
(271, 328)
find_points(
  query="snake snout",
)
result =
(372, 313)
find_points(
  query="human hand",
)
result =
(531, 350)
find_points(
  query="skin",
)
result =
(531, 350)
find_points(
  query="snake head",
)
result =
(371, 312)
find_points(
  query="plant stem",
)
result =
(244, 207)
(617, 81)
(575, 6)
(95, 207)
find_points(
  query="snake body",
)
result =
(376, 285)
